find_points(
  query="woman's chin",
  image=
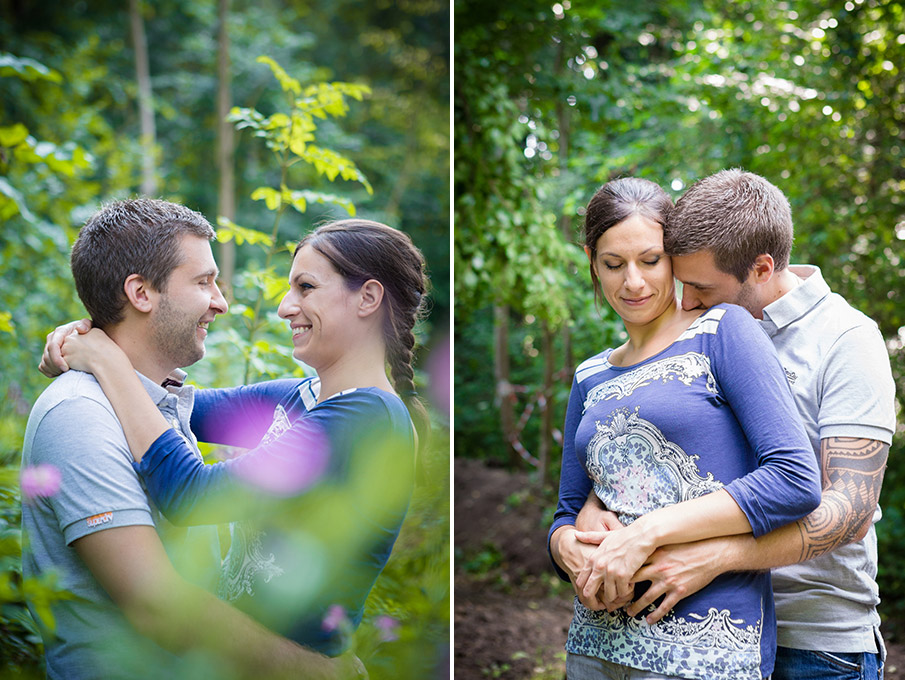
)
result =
(301, 356)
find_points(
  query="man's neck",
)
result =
(143, 358)
(785, 281)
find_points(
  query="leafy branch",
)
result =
(290, 135)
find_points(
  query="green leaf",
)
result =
(274, 286)
(26, 69)
(288, 83)
(277, 121)
(267, 281)
(328, 99)
(331, 165)
(271, 197)
(245, 118)
(300, 199)
(229, 230)
(6, 323)
(303, 128)
(66, 159)
(13, 135)
(12, 202)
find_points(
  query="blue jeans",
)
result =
(802, 664)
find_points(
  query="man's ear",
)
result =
(763, 268)
(371, 295)
(140, 294)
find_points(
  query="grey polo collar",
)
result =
(175, 379)
(160, 392)
(798, 301)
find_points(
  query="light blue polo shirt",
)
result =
(73, 427)
(837, 365)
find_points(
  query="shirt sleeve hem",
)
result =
(856, 431)
(749, 505)
(109, 519)
(559, 522)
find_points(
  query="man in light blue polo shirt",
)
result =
(730, 237)
(145, 272)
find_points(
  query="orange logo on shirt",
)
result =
(97, 520)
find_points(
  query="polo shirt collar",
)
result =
(160, 392)
(798, 301)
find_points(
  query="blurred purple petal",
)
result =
(388, 627)
(285, 471)
(438, 369)
(39, 481)
(334, 619)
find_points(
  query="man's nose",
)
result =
(690, 300)
(218, 302)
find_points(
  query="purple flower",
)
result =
(335, 618)
(39, 481)
(438, 369)
(388, 627)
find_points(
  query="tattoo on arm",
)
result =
(852, 475)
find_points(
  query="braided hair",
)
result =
(362, 250)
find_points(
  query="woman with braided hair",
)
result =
(330, 457)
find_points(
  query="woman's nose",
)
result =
(284, 311)
(634, 280)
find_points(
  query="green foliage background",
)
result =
(69, 141)
(551, 100)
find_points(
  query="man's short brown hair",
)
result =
(736, 215)
(135, 236)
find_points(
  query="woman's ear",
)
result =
(139, 293)
(371, 293)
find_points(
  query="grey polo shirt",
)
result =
(838, 368)
(73, 427)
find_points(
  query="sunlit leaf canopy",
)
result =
(809, 96)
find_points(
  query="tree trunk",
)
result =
(505, 397)
(565, 221)
(226, 150)
(145, 101)
(546, 404)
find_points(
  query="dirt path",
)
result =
(511, 614)
(510, 621)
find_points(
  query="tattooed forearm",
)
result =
(852, 476)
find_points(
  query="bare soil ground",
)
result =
(511, 611)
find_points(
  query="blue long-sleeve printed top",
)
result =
(316, 503)
(711, 411)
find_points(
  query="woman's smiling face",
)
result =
(319, 307)
(635, 274)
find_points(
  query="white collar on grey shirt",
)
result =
(798, 301)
